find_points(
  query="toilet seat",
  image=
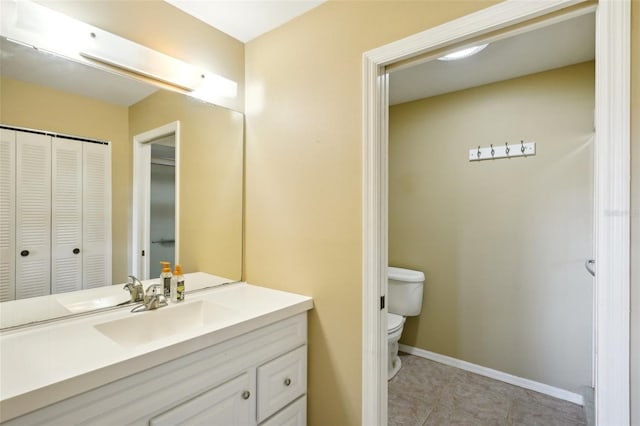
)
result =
(394, 322)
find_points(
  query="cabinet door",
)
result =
(226, 405)
(96, 253)
(7, 215)
(295, 414)
(66, 215)
(33, 215)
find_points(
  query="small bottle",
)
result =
(174, 287)
(179, 278)
(165, 279)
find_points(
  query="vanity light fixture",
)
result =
(463, 53)
(44, 29)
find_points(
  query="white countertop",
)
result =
(42, 308)
(47, 363)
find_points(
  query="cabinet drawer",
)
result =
(293, 415)
(281, 381)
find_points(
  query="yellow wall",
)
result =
(36, 107)
(303, 175)
(211, 150)
(160, 26)
(502, 243)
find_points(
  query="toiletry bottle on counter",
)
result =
(179, 279)
(174, 286)
(165, 279)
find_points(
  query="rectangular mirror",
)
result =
(47, 93)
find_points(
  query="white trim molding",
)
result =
(612, 207)
(374, 273)
(612, 190)
(495, 374)
(141, 196)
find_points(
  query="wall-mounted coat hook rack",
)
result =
(521, 149)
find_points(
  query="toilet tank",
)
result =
(405, 291)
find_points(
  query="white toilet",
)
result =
(405, 300)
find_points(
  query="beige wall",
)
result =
(160, 26)
(502, 243)
(303, 176)
(26, 105)
(211, 151)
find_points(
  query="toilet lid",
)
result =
(394, 321)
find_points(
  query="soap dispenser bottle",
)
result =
(177, 291)
(165, 279)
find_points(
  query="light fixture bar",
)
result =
(113, 63)
(39, 27)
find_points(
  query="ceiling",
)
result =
(562, 44)
(245, 19)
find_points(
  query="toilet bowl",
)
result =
(395, 324)
(405, 288)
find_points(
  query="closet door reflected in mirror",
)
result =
(55, 215)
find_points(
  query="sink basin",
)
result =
(147, 326)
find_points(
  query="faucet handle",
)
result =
(153, 288)
(162, 301)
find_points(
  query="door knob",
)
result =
(24, 253)
(76, 250)
(246, 395)
(287, 381)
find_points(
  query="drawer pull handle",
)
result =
(246, 395)
(287, 381)
(24, 253)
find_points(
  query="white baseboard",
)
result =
(495, 374)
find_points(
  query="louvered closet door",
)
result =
(7, 215)
(97, 216)
(33, 215)
(66, 215)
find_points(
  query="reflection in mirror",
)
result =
(162, 203)
(45, 92)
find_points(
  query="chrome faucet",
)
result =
(153, 299)
(135, 289)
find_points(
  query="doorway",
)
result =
(162, 203)
(611, 151)
(501, 238)
(156, 174)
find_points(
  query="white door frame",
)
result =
(612, 192)
(140, 225)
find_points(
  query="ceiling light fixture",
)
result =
(463, 53)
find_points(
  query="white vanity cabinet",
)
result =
(258, 377)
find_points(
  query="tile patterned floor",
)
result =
(426, 393)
